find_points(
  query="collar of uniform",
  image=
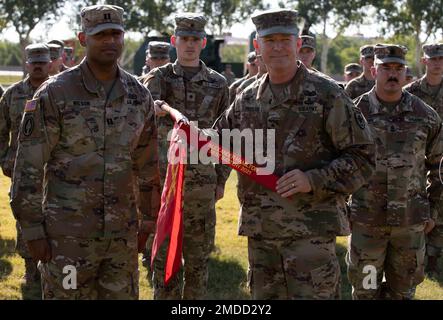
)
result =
(264, 91)
(27, 87)
(375, 107)
(203, 74)
(93, 85)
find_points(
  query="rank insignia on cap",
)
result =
(30, 105)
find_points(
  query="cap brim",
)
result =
(185, 33)
(104, 26)
(390, 60)
(278, 29)
(427, 56)
(306, 46)
(367, 55)
(39, 59)
(156, 56)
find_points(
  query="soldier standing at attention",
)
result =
(56, 52)
(365, 82)
(307, 53)
(201, 94)
(252, 70)
(322, 153)
(352, 71)
(85, 140)
(391, 214)
(157, 55)
(430, 89)
(12, 106)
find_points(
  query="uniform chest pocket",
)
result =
(78, 129)
(131, 126)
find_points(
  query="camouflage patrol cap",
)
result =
(352, 67)
(190, 24)
(433, 50)
(158, 49)
(38, 52)
(55, 51)
(101, 17)
(276, 21)
(389, 53)
(367, 51)
(308, 42)
(252, 56)
(59, 42)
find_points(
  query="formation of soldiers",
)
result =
(86, 151)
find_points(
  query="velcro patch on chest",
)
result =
(31, 105)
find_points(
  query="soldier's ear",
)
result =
(423, 60)
(205, 41)
(82, 39)
(299, 43)
(173, 38)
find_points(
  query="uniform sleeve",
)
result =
(5, 128)
(154, 82)
(349, 90)
(351, 137)
(145, 159)
(434, 154)
(222, 170)
(38, 135)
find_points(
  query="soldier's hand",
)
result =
(40, 249)
(219, 192)
(159, 108)
(141, 243)
(292, 182)
(429, 225)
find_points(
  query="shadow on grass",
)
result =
(227, 280)
(6, 249)
(345, 285)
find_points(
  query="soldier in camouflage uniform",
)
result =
(201, 94)
(307, 53)
(252, 70)
(56, 52)
(409, 76)
(430, 89)
(261, 71)
(323, 152)
(365, 82)
(228, 74)
(157, 55)
(391, 214)
(88, 137)
(352, 71)
(68, 58)
(60, 43)
(12, 105)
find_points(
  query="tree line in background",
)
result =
(407, 19)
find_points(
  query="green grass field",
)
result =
(227, 267)
(6, 80)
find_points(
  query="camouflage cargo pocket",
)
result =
(326, 279)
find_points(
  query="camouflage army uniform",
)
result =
(356, 87)
(88, 155)
(388, 214)
(233, 88)
(202, 98)
(12, 105)
(291, 242)
(421, 89)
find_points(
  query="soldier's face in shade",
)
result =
(252, 67)
(389, 77)
(55, 66)
(104, 47)
(367, 63)
(38, 70)
(188, 47)
(351, 75)
(279, 51)
(433, 65)
(307, 56)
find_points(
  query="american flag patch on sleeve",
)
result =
(30, 105)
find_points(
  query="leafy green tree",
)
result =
(25, 15)
(222, 14)
(412, 17)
